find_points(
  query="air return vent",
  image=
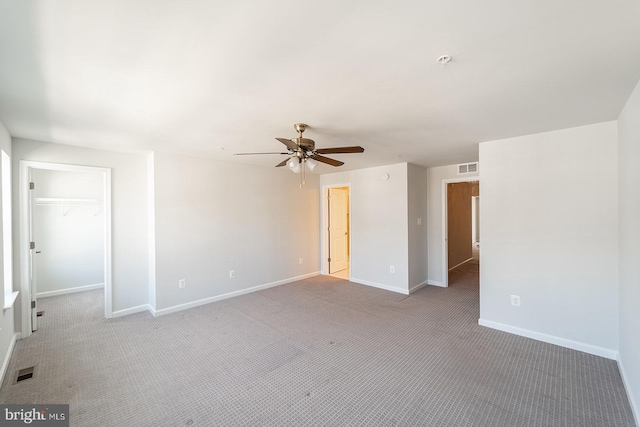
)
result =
(466, 168)
(24, 374)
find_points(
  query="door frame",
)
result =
(445, 225)
(324, 227)
(23, 189)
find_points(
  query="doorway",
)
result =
(338, 232)
(461, 237)
(55, 200)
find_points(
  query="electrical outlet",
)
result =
(515, 300)
(419, 221)
(392, 269)
(232, 274)
(300, 261)
(182, 283)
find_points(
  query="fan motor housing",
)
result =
(305, 143)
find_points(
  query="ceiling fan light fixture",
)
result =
(302, 153)
(294, 165)
(311, 164)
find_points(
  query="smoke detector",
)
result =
(444, 59)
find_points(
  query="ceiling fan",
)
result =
(302, 153)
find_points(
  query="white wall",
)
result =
(151, 229)
(435, 176)
(417, 233)
(213, 217)
(629, 246)
(549, 221)
(475, 219)
(129, 211)
(7, 330)
(69, 239)
(379, 215)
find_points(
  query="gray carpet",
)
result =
(467, 275)
(322, 351)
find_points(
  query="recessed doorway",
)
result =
(91, 210)
(338, 232)
(461, 232)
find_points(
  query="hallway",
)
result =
(468, 274)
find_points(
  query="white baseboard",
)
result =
(132, 310)
(70, 290)
(435, 283)
(209, 300)
(551, 339)
(7, 357)
(632, 402)
(418, 286)
(458, 265)
(380, 286)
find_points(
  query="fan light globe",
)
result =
(311, 164)
(294, 165)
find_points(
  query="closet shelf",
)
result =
(67, 203)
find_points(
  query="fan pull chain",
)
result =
(304, 176)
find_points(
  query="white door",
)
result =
(338, 229)
(32, 261)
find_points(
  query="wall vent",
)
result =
(466, 168)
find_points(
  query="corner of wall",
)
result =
(629, 248)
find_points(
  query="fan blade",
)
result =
(340, 150)
(282, 163)
(327, 160)
(251, 154)
(289, 143)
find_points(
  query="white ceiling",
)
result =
(194, 75)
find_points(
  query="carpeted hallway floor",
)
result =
(467, 275)
(321, 351)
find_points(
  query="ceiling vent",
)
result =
(466, 168)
